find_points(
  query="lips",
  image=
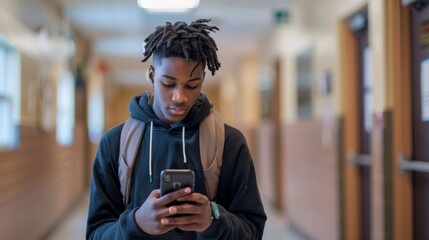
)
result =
(177, 110)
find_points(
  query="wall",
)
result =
(312, 155)
(312, 198)
(39, 182)
(213, 94)
(313, 25)
(117, 99)
(229, 96)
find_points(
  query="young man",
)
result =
(172, 114)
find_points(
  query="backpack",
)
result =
(211, 139)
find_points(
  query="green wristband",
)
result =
(215, 210)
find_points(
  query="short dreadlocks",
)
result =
(182, 40)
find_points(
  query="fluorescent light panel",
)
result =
(168, 5)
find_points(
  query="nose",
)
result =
(179, 95)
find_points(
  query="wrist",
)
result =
(130, 225)
(215, 210)
(213, 230)
(136, 219)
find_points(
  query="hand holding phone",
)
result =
(175, 179)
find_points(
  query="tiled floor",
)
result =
(73, 226)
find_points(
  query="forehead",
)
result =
(174, 64)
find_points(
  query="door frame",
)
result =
(350, 193)
(399, 71)
(277, 154)
(398, 32)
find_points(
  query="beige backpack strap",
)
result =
(131, 136)
(212, 140)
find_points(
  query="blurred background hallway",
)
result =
(332, 96)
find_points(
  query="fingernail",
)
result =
(164, 221)
(188, 190)
(172, 210)
(180, 199)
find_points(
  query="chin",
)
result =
(173, 119)
(176, 119)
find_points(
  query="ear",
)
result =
(150, 72)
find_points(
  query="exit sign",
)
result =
(281, 16)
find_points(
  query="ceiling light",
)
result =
(168, 5)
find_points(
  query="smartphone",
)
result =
(174, 179)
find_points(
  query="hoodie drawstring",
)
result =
(150, 151)
(183, 144)
(150, 148)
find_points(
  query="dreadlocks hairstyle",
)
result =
(182, 40)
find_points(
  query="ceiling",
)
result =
(117, 29)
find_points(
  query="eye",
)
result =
(192, 86)
(167, 85)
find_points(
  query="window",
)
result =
(96, 105)
(10, 95)
(65, 109)
(367, 90)
(96, 116)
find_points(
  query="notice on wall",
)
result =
(424, 84)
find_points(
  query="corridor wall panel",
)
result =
(312, 200)
(39, 182)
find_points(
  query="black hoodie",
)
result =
(242, 213)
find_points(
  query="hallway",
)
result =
(73, 226)
(332, 97)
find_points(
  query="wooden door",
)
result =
(358, 25)
(365, 127)
(420, 103)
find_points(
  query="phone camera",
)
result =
(167, 178)
(177, 185)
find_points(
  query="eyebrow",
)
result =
(175, 79)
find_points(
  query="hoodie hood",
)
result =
(140, 108)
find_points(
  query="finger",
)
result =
(194, 197)
(156, 193)
(170, 197)
(189, 209)
(164, 212)
(180, 221)
(173, 210)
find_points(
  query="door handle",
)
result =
(408, 165)
(360, 159)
